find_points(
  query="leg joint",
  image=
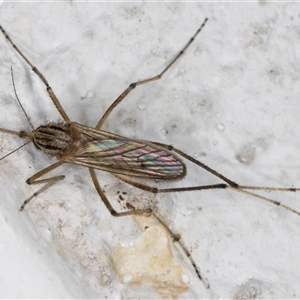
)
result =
(113, 213)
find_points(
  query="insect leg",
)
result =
(141, 82)
(177, 239)
(233, 184)
(155, 190)
(114, 213)
(238, 188)
(48, 181)
(41, 76)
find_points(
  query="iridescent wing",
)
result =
(116, 154)
(130, 157)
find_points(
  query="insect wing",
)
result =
(130, 157)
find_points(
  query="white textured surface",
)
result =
(232, 101)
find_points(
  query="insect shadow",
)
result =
(126, 159)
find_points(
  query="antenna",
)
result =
(13, 81)
(3, 157)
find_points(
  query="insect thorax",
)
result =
(54, 138)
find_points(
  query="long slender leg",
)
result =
(41, 76)
(141, 82)
(233, 184)
(112, 211)
(240, 189)
(48, 181)
(148, 211)
(198, 163)
(176, 239)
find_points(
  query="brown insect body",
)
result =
(54, 139)
(79, 144)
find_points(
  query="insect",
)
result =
(126, 159)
